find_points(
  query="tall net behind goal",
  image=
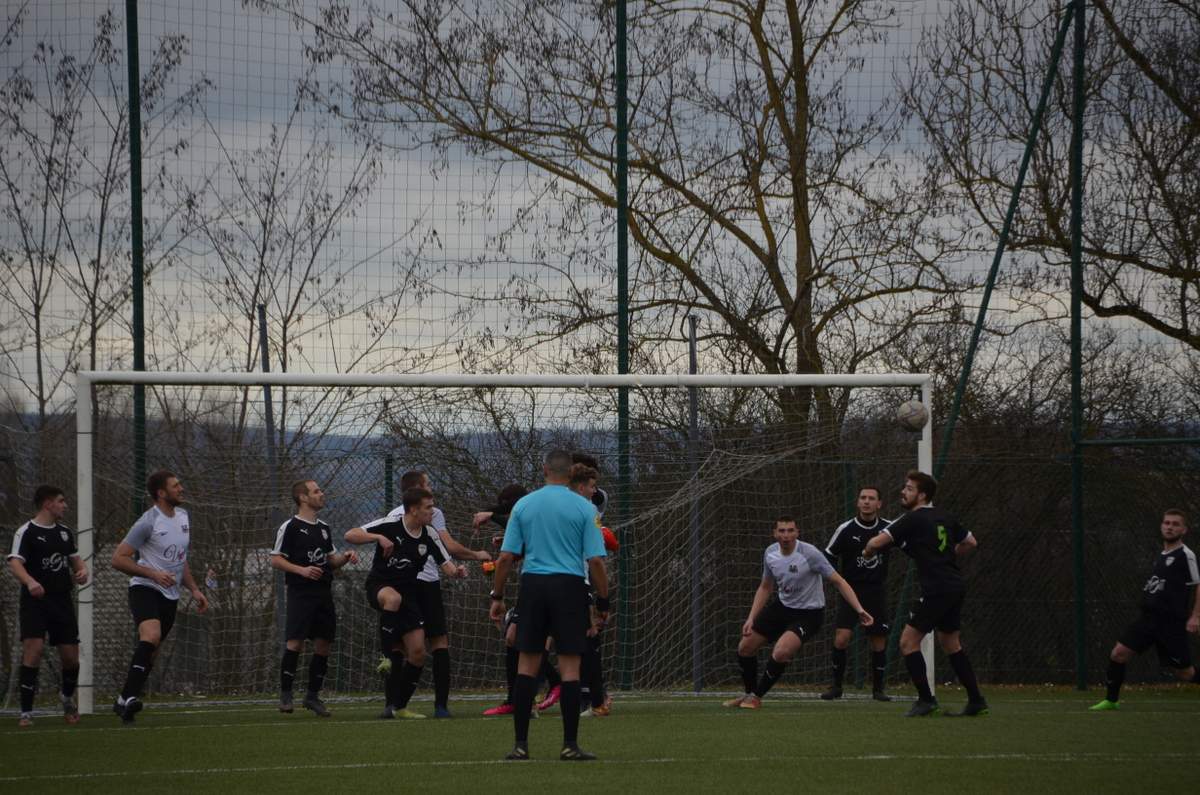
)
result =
(693, 518)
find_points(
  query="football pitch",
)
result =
(1035, 740)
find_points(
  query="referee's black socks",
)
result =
(839, 667)
(28, 679)
(441, 677)
(749, 666)
(966, 675)
(524, 691)
(287, 670)
(318, 665)
(511, 656)
(569, 704)
(770, 676)
(139, 670)
(915, 663)
(1114, 680)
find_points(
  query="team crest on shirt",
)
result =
(793, 568)
(325, 534)
(421, 548)
(1169, 560)
(63, 533)
(185, 528)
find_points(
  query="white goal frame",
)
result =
(86, 379)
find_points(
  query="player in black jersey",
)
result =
(47, 564)
(868, 578)
(305, 553)
(1166, 618)
(402, 545)
(934, 540)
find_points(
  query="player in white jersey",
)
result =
(429, 592)
(154, 554)
(795, 571)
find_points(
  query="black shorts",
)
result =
(942, 612)
(874, 600)
(552, 605)
(429, 600)
(311, 614)
(776, 619)
(410, 609)
(1166, 634)
(148, 604)
(52, 615)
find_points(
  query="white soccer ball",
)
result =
(911, 415)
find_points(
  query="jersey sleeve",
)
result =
(18, 547)
(1193, 569)
(282, 539)
(74, 548)
(439, 520)
(819, 563)
(139, 534)
(766, 570)
(958, 533)
(437, 550)
(593, 538)
(898, 530)
(833, 549)
(514, 533)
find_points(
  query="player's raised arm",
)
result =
(965, 546)
(878, 543)
(458, 551)
(847, 592)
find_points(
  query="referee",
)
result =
(557, 530)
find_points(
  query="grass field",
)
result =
(1035, 740)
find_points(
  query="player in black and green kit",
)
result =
(934, 540)
(46, 563)
(1166, 619)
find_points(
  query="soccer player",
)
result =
(934, 540)
(154, 554)
(556, 530)
(795, 570)
(591, 668)
(868, 577)
(305, 553)
(45, 561)
(429, 592)
(1165, 619)
(402, 546)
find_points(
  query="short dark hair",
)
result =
(874, 488)
(786, 518)
(582, 473)
(157, 482)
(1178, 512)
(411, 479)
(558, 462)
(47, 492)
(508, 497)
(585, 459)
(300, 489)
(926, 483)
(413, 497)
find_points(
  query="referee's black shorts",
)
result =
(874, 600)
(1167, 634)
(777, 618)
(52, 615)
(433, 610)
(311, 614)
(553, 605)
(149, 604)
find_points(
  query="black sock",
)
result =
(287, 670)
(524, 691)
(70, 679)
(915, 663)
(966, 675)
(511, 656)
(749, 666)
(441, 677)
(570, 711)
(770, 676)
(878, 669)
(28, 678)
(587, 663)
(391, 685)
(139, 669)
(550, 672)
(317, 667)
(596, 683)
(839, 667)
(1116, 678)
(409, 675)
(389, 630)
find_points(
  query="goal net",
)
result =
(693, 506)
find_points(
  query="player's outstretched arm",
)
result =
(878, 543)
(280, 563)
(459, 552)
(339, 559)
(847, 592)
(358, 536)
(965, 546)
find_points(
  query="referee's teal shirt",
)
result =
(556, 530)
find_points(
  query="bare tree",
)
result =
(975, 90)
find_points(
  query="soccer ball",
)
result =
(911, 415)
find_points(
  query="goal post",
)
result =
(720, 470)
